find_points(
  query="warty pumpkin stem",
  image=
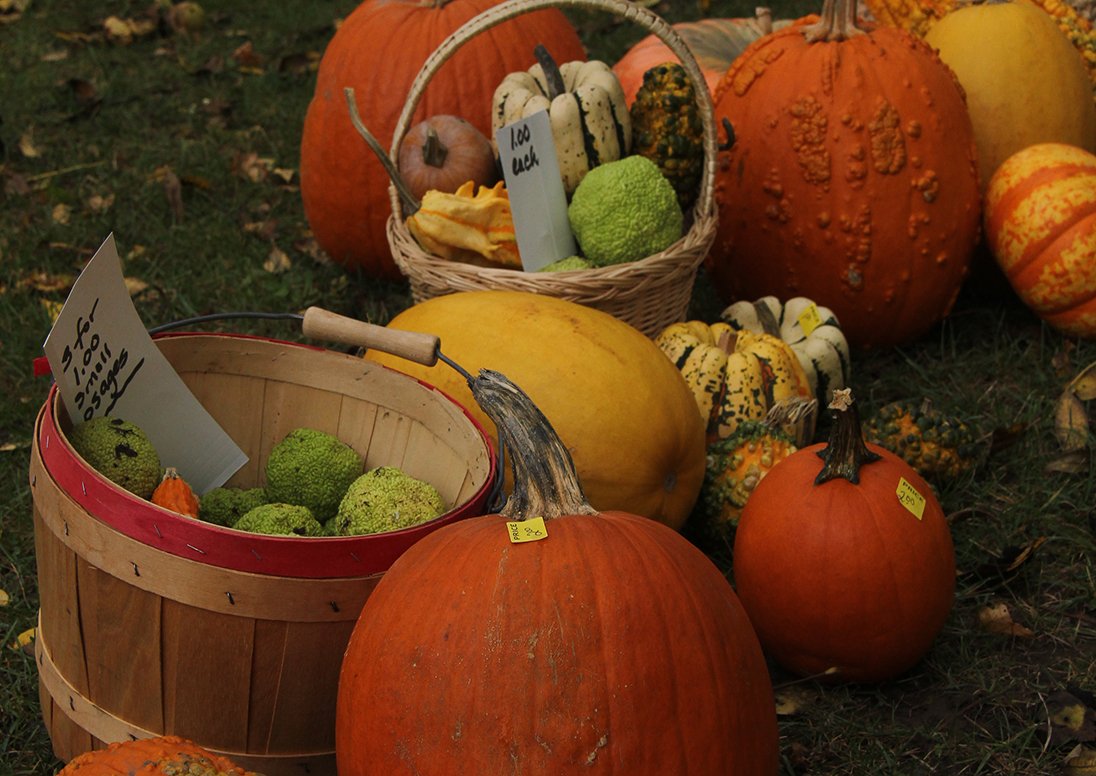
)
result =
(838, 22)
(408, 198)
(846, 451)
(545, 482)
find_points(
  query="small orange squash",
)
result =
(1040, 221)
(175, 493)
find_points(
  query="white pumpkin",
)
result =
(812, 331)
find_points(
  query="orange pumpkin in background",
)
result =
(161, 755)
(378, 50)
(1040, 221)
(852, 179)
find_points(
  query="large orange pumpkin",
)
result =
(1040, 219)
(158, 756)
(378, 50)
(843, 558)
(609, 644)
(852, 180)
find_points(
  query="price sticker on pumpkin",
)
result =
(910, 498)
(531, 530)
(809, 319)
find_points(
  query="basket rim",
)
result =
(704, 211)
(319, 557)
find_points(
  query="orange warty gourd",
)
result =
(378, 50)
(166, 755)
(852, 180)
(1040, 221)
(175, 493)
(608, 645)
(606, 388)
(841, 579)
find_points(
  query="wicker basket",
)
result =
(649, 293)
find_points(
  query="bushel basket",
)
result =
(649, 293)
(154, 623)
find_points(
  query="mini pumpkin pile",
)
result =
(629, 173)
(316, 485)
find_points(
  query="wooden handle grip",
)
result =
(413, 346)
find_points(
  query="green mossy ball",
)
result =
(120, 451)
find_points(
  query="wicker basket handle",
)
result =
(323, 324)
(630, 11)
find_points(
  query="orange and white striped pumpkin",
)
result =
(1040, 223)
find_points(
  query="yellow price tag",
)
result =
(809, 319)
(531, 530)
(910, 498)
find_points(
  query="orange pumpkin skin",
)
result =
(175, 493)
(852, 181)
(841, 577)
(611, 646)
(344, 188)
(1040, 223)
(149, 757)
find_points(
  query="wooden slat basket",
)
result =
(650, 293)
(153, 623)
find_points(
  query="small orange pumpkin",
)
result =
(1040, 221)
(444, 151)
(175, 493)
(152, 756)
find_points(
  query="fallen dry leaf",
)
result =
(98, 203)
(135, 286)
(52, 308)
(11, 11)
(24, 641)
(26, 145)
(1081, 761)
(247, 58)
(1070, 422)
(123, 31)
(1071, 715)
(173, 190)
(277, 261)
(45, 282)
(1073, 462)
(253, 167)
(1084, 384)
(61, 214)
(5, 599)
(997, 619)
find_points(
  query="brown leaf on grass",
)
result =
(1070, 422)
(99, 203)
(1009, 561)
(5, 599)
(11, 11)
(26, 145)
(1072, 715)
(1074, 462)
(173, 190)
(791, 700)
(45, 282)
(277, 261)
(299, 63)
(52, 308)
(61, 213)
(124, 31)
(264, 229)
(24, 641)
(1084, 384)
(248, 58)
(311, 248)
(252, 167)
(16, 184)
(135, 286)
(997, 619)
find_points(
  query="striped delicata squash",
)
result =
(739, 376)
(586, 108)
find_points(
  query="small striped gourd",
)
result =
(586, 108)
(1040, 224)
(739, 376)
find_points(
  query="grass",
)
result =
(107, 120)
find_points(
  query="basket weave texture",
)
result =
(649, 293)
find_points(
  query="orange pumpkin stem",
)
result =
(838, 22)
(545, 482)
(846, 451)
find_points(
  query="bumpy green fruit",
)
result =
(120, 451)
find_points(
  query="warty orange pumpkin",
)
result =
(846, 183)
(552, 639)
(1040, 218)
(157, 756)
(344, 188)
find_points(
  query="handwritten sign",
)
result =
(531, 530)
(911, 498)
(538, 202)
(105, 363)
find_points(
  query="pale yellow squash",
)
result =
(619, 405)
(1025, 82)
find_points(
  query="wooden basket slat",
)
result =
(236, 403)
(121, 646)
(649, 293)
(59, 606)
(206, 675)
